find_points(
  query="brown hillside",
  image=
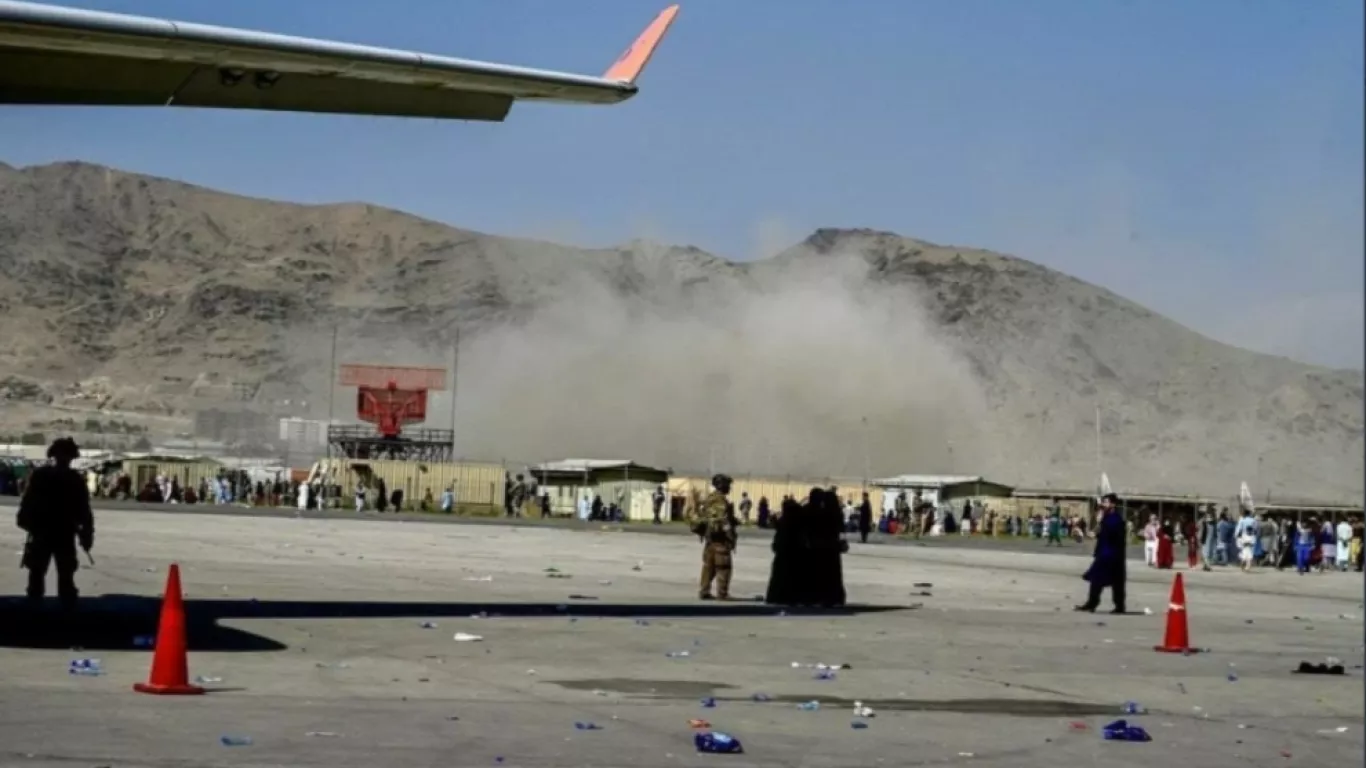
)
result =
(854, 351)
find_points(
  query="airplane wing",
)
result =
(54, 55)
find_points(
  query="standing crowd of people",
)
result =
(1257, 541)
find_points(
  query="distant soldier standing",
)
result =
(55, 513)
(516, 497)
(719, 539)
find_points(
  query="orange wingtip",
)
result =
(630, 64)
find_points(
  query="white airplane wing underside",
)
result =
(54, 55)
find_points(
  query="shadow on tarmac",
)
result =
(116, 622)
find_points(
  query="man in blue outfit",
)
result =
(1108, 568)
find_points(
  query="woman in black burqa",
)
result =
(826, 548)
(787, 577)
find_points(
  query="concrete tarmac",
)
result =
(1001, 543)
(329, 642)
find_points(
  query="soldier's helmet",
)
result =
(721, 482)
(63, 448)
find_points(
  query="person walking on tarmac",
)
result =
(718, 540)
(55, 513)
(1108, 568)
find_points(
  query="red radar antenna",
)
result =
(392, 398)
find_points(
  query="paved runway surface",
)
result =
(315, 631)
(1003, 543)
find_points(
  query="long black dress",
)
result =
(787, 577)
(826, 550)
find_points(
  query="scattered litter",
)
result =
(337, 665)
(1147, 611)
(323, 734)
(480, 615)
(1232, 674)
(709, 703)
(531, 671)
(1120, 730)
(858, 725)
(1077, 725)
(698, 723)
(1134, 708)
(605, 582)
(678, 654)
(552, 569)
(465, 637)
(582, 597)
(599, 692)
(86, 667)
(717, 743)
(1347, 616)
(824, 674)
(559, 575)
(923, 584)
(922, 593)
(478, 578)
(639, 566)
(967, 754)
(1339, 729)
(587, 726)
(235, 741)
(1181, 687)
(202, 680)
(429, 625)
(1306, 668)
(642, 623)
(760, 697)
(809, 706)
(862, 711)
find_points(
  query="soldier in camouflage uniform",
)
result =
(55, 513)
(719, 539)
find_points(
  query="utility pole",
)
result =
(1265, 489)
(1099, 466)
(867, 456)
(455, 384)
(332, 390)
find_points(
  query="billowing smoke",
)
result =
(798, 365)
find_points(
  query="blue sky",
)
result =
(1202, 158)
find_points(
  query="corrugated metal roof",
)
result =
(589, 465)
(925, 481)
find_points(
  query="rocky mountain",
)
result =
(853, 352)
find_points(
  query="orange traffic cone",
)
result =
(1177, 639)
(170, 666)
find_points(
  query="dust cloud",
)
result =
(788, 367)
